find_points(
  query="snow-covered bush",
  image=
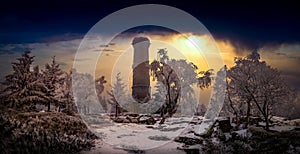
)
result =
(42, 132)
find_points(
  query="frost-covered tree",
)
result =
(187, 74)
(84, 95)
(218, 95)
(201, 109)
(104, 104)
(177, 75)
(54, 80)
(67, 99)
(117, 93)
(23, 88)
(99, 84)
(158, 98)
(169, 79)
(235, 102)
(257, 85)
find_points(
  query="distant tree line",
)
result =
(253, 88)
(28, 88)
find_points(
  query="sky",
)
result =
(56, 28)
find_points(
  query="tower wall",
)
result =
(141, 77)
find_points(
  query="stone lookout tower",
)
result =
(141, 77)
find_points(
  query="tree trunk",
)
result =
(116, 110)
(237, 119)
(84, 110)
(162, 115)
(162, 121)
(267, 123)
(248, 113)
(88, 108)
(234, 111)
(48, 106)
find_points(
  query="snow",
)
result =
(242, 132)
(101, 147)
(131, 137)
(276, 118)
(141, 137)
(215, 140)
(282, 124)
(282, 128)
(203, 127)
(295, 122)
(171, 147)
(262, 123)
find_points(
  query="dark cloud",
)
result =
(280, 54)
(62, 37)
(105, 50)
(11, 49)
(104, 45)
(107, 45)
(248, 25)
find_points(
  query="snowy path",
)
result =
(131, 137)
(142, 137)
(101, 147)
(138, 138)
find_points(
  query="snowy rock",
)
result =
(189, 140)
(205, 129)
(134, 120)
(148, 120)
(224, 125)
(254, 120)
(118, 120)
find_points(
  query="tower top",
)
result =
(140, 39)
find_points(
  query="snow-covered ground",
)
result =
(282, 124)
(125, 137)
(101, 147)
(282, 128)
(141, 137)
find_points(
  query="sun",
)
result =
(191, 41)
(190, 45)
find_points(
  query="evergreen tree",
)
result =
(154, 105)
(67, 100)
(201, 110)
(117, 93)
(23, 88)
(53, 79)
(84, 95)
